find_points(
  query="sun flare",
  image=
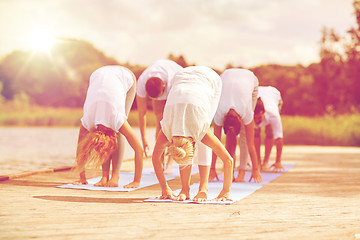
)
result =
(42, 40)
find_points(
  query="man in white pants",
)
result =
(236, 108)
(267, 113)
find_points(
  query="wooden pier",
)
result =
(318, 199)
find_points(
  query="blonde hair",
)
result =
(96, 147)
(182, 150)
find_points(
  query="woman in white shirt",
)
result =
(108, 101)
(188, 113)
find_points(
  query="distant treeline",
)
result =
(60, 78)
(340, 130)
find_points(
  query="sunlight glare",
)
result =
(42, 40)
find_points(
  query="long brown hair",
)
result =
(96, 147)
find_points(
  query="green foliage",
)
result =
(295, 84)
(327, 130)
(39, 116)
(342, 130)
(58, 78)
(133, 119)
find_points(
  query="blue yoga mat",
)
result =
(238, 190)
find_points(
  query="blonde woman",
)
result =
(108, 101)
(188, 112)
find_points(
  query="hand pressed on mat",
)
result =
(277, 167)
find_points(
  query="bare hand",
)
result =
(167, 194)
(182, 197)
(213, 175)
(256, 176)
(132, 185)
(277, 167)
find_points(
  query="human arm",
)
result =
(213, 175)
(218, 148)
(249, 129)
(130, 136)
(142, 108)
(277, 166)
(160, 145)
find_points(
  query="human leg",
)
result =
(204, 155)
(116, 161)
(204, 171)
(105, 174)
(82, 132)
(185, 173)
(269, 142)
(244, 156)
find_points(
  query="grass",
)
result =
(342, 130)
(34, 116)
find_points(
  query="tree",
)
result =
(58, 79)
(337, 78)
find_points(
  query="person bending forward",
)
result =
(188, 113)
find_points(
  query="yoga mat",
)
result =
(267, 176)
(238, 190)
(175, 170)
(125, 178)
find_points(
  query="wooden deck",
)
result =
(317, 199)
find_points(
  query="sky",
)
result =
(212, 33)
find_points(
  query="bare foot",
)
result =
(239, 179)
(265, 167)
(132, 185)
(182, 196)
(112, 183)
(80, 182)
(241, 176)
(102, 182)
(200, 197)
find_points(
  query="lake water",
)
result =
(30, 149)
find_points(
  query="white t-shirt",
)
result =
(191, 103)
(238, 86)
(163, 69)
(271, 98)
(105, 98)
